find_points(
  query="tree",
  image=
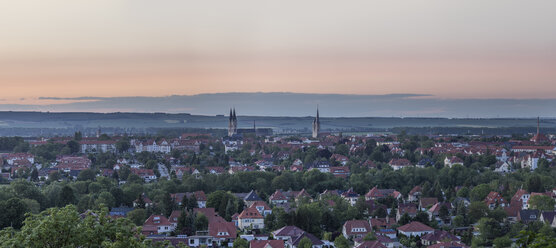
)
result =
(73, 146)
(201, 222)
(342, 149)
(192, 203)
(326, 236)
(369, 237)
(63, 227)
(502, 242)
(498, 214)
(362, 206)
(66, 196)
(341, 242)
(137, 216)
(535, 240)
(404, 219)
(230, 210)
(542, 202)
(534, 184)
(34, 175)
(77, 136)
(124, 172)
(87, 174)
(122, 146)
(186, 222)
(32, 205)
(133, 178)
(422, 217)
(489, 228)
(380, 213)
(12, 213)
(241, 243)
(106, 199)
(463, 192)
(443, 213)
(118, 195)
(305, 243)
(480, 192)
(54, 176)
(477, 210)
(168, 204)
(184, 202)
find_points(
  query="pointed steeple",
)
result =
(316, 125)
(538, 125)
(318, 112)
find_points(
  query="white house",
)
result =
(250, 218)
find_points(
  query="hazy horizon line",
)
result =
(292, 104)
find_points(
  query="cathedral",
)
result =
(316, 125)
(232, 125)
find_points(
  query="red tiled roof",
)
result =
(400, 162)
(250, 213)
(210, 213)
(494, 197)
(383, 222)
(157, 220)
(381, 193)
(427, 201)
(260, 204)
(350, 224)
(415, 226)
(266, 244)
(174, 216)
(416, 189)
(371, 244)
(448, 245)
(217, 229)
(278, 196)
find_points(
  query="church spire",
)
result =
(232, 123)
(316, 125)
(538, 125)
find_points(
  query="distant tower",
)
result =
(316, 125)
(232, 124)
(99, 132)
(538, 125)
(255, 127)
(539, 137)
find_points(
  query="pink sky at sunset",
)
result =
(471, 49)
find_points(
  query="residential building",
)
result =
(353, 229)
(415, 229)
(250, 218)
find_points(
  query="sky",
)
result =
(499, 49)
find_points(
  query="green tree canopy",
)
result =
(542, 202)
(305, 243)
(63, 227)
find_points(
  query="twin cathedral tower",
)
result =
(232, 124)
